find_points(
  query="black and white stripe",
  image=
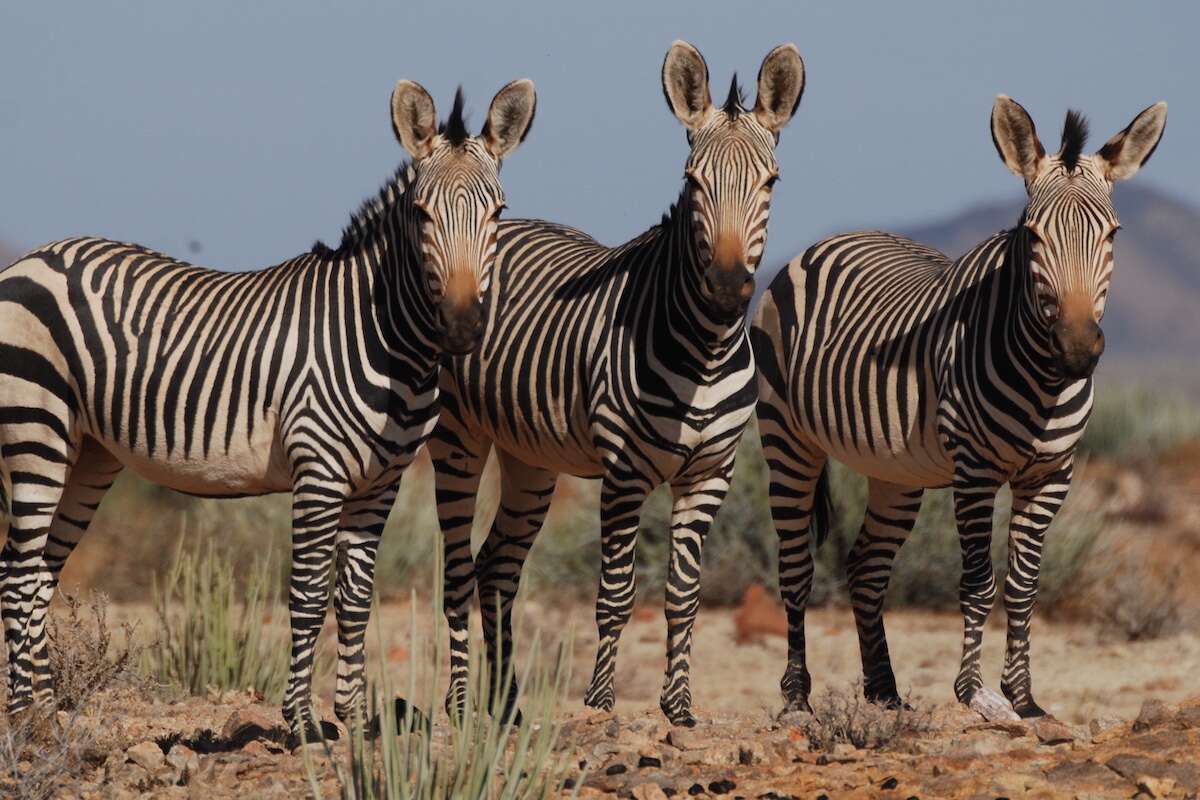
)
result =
(628, 364)
(922, 372)
(318, 376)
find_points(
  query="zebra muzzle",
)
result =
(1076, 348)
(460, 325)
(728, 289)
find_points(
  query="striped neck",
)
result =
(1026, 335)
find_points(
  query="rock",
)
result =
(751, 752)
(1136, 768)
(1098, 728)
(312, 750)
(1189, 717)
(1073, 773)
(1050, 731)
(147, 755)
(256, 748)
(244, 726)
(649, 791)
(184, 761)
(759, 615)
(1153, 714)
(1015, 730)
(129, 775)
(1156, 787)
(993, 707)
(686, 739)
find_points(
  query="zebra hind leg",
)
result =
(1033, 510)
(621, 496)
(458, 463)
(38, 473)
(358, 544)
(691, 516)
(891, 513)
(973, 505)
(89, 480)
(525, 494)
(316, 515)
(799, 499)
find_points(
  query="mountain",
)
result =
(1154, 306)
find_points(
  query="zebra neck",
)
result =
(1027, 338)
(684, 308)
(396, 313)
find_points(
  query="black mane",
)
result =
(455, 128)
(733, 103)
(1074, 137)
(365, 222)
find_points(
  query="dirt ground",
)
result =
(741, 748)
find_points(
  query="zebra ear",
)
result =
(1016, 139)
(780, 84)
(1123, 155)
(509, 117)
(414, 119)
(685, 84)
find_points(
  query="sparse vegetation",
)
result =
(79, 642)
(843, 715)
(40, 759)
(212, 631)
(1136, 421)
(1137, 605)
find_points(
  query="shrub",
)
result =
(211, 631)
(843, 715)
(486, 755)
(80, 664)
(1138, 605)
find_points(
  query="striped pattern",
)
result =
(628, 364)
(317, 376)
(921, 372)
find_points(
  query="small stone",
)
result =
(147, 755)
(1156, 787)
(993, 707)
(1050, 731)
(256, 748)
(695, 789)
(649, 761)
(616, 769)
(887, 784)
(1098, 727)
(723, 786)
(245, 725)
(1153, 714)
(185, 762)
(686, 739)
(649, 791)
(1189, 717)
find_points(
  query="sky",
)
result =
(235, 133)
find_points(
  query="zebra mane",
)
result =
(733, 103)
(455, 127)
(1074, 137)
(366, 221)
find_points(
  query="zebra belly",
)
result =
(252, 464)
(915, 469)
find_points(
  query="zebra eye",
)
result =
(771, 181)
(499, 210)
(1033, 235)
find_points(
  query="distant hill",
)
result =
(1154, 307)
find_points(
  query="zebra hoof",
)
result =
(327, 731)
(796, 704)
(889, 700)
(600, 700)
(1029, 710)
(407, 718)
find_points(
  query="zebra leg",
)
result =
(525, 494)
(358, 543)
(621, 496)
(38, 472)
(1033, 510)
(891, 513)
(691, 516)
(316, 515)
(795, 467)
(458, 462)
(88, 481)
(973, 505)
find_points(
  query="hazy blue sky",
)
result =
(256, 127)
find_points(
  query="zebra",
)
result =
(317, 376)
(630, 364)
(922, 372)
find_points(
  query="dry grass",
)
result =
(843, 715)
(79, 643)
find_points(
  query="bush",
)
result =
(1138, 605)
(80, 664)
(1130, 422)
(484, 756)
(39, 760)
(844, 715)
(211, 630)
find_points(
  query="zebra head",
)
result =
(1070, 222)
(456, 198)
(732, 166)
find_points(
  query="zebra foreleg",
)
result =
(524, 500)
(316, 515)
(1033, 510)
(621, 496)
(973, 505)
(458, 462)
(691, 516)
(358, 544)
(795, 469)
(891, 513)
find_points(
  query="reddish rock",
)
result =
(1153, 714)
(759, 615)
(245, 725)
(1050, 731)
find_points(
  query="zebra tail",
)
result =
(822, 516)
